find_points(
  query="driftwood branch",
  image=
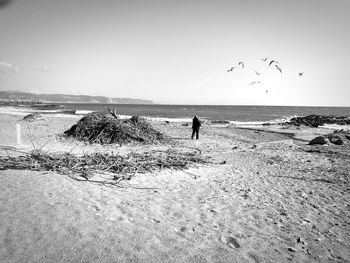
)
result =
(123, 167)
(114, 112)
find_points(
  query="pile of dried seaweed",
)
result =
(123, 166)
(32, 117)
(106, 129)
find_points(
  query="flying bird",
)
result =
(254, 82)
(264, 59)
(257, 73)
(273, 61)
(301, 74)
(231, 69)
(277, 67)
(241, 64)
(266, 91)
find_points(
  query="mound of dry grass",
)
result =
(33, 117)
(107, 129)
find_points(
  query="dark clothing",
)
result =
(195, 131)
(195, 123)
(195, 127)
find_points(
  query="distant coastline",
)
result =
(26, 98)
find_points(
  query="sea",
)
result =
(232, 113)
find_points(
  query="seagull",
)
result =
(241, 63)
(231, 69)
(301, 74)
(264, 59)
(280, 70)
(254, 82)
(272, 61)
(257, 73)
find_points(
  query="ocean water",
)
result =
(234, 114)
(213, 112)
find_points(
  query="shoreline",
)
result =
(236, 115)
(301, 135)
(66, 112)
(291, 134)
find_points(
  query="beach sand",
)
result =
(268, 198)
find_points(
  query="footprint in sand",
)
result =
(230, 241)
(156, 220)
(151, 219)
(95, 208)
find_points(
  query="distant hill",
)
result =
(63, 98)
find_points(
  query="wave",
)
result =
(83, 112)
(159, 119)
(25, 111)
(261, 123)
(247, 123)
(64, 113)
(336, 127)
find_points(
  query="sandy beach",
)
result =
(267, 197)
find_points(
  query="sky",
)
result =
(178, 52)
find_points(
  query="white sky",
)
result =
(177, 52)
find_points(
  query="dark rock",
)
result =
(318, 120)
(318, 140)
(335, 139)
(339, 137)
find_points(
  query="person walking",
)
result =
(195, 127)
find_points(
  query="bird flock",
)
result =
(272, 63)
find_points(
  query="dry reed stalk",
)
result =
(124, 167)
